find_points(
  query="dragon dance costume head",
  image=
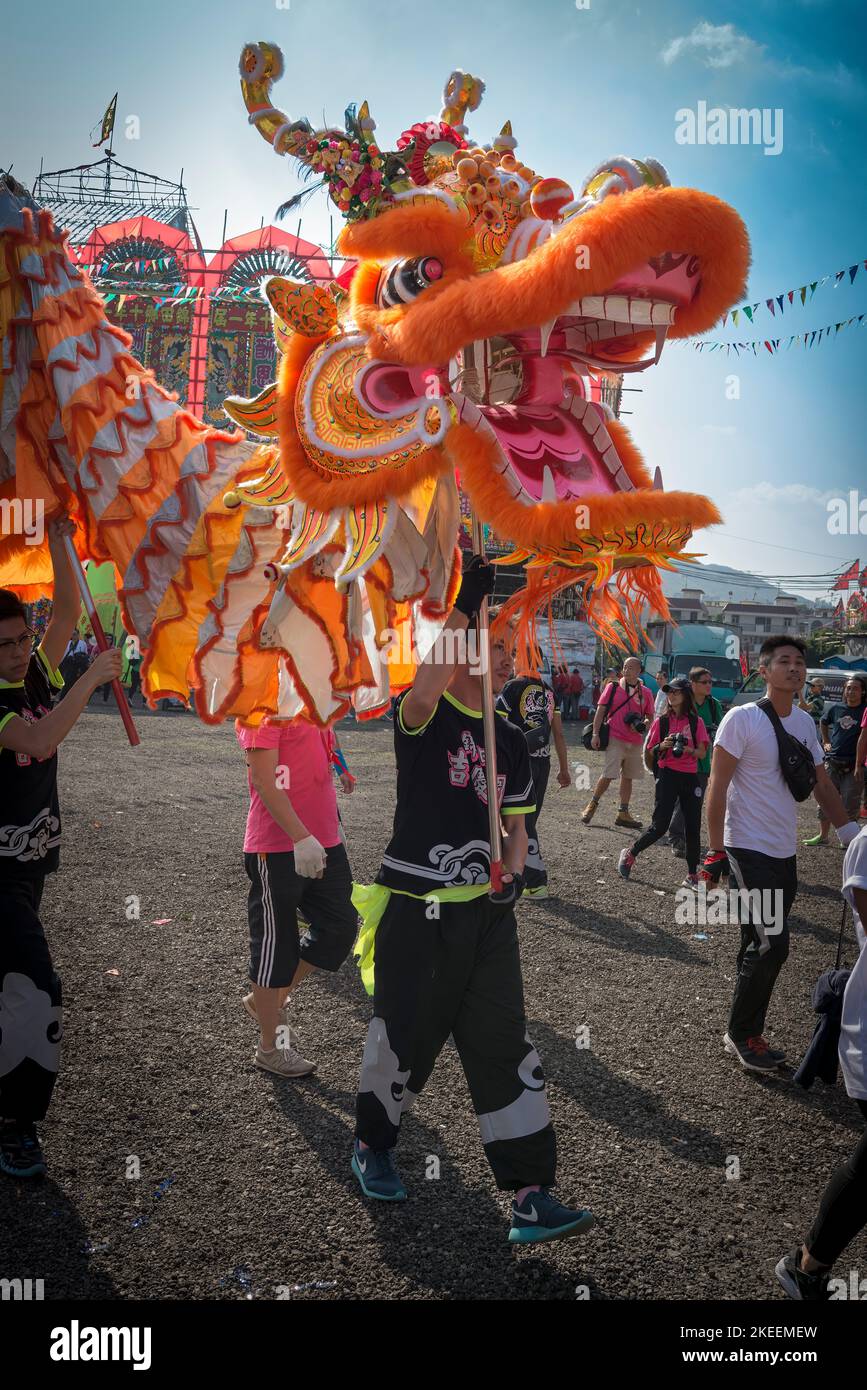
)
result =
(487, 307)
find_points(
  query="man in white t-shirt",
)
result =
(843, 1209)
(752, 820)
(660, 704)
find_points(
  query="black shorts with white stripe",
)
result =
(277, 895)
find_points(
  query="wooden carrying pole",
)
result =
(97, 629)
(483, 655)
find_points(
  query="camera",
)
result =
(677, 745)
(636, 721)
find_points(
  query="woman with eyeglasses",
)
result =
(711, 712)
(31, 727)
(676, 742)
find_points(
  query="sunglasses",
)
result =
(19, 642)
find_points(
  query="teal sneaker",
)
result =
(20, 1153)
(541, 1217)
(377, 1173)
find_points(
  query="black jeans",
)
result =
(764, 920)
(30, 1010)
(675, 789)
(677, 829)
(843, 1208)
(458, 973)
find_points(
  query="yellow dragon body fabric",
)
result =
(291, 574)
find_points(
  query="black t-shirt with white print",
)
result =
(529, 704)
(29, 808)
(440, 837)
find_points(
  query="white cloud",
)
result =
(723, 46)
(792, 494)
(717, 45)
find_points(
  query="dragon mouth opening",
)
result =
(530, 390)
(556, 454)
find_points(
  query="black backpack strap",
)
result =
(840, 938)
(693, 729)
(664, 724)
(609, 704)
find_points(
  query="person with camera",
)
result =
(677, 739)
(765, 760)
(621, 720)
(839, 730)
(710, 711)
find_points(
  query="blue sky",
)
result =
(578, 84)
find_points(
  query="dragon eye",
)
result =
(404, 281)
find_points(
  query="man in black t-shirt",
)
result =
(839, 731)
(30, 730)
(530, 704)
(445, 953)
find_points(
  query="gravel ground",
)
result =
(179, 1171)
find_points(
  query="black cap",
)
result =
(679, 683)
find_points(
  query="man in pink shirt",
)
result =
(296, 860)
(626, 707)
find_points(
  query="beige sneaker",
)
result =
(589, 811)
(282, 1020)
(284, 1061)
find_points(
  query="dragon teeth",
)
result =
(549, 488)
(617, 308)
(545, 334)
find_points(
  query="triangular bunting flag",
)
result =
(780, 299)
(735, 313)
(749, 313)
(853, 271)
(803, 293)
(770, 304)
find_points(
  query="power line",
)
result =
(792, 550)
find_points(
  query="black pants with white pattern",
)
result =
(31, 1018)
(535, 873)
(458, 974)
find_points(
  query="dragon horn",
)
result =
(462, 93)
(260, 66)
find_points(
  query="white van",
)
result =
(754, 689)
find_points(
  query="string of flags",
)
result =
(777, 302)
(138, 264)
(852, 576)
(810, 338)
(174, 294)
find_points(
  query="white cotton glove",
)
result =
(846, 833)
(309, 857)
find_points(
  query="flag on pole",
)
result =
(849, 576)
(107, 128)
